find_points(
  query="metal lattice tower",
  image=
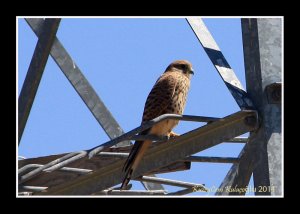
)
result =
(97, 170)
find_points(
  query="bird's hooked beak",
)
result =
(192, 71)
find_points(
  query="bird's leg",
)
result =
(173, 134)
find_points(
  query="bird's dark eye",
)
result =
(181, 67)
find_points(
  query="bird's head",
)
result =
(183, 66)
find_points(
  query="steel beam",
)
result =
(262, 41)
(212, 159)
(239, 174)
(66, 169)
(216, 56)
(144, 126)
(163, 154)
(190, 159)
(53, 165)
(172, 182)
(131, 192)
(84, 89)
(31, 188)
(239, 140)
(35, 72)
(183, 191)
(75, 156)
(76, 168)
(80, 84)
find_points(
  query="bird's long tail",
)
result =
(134, 159)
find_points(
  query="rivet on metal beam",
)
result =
(252, 121)
(273, 92)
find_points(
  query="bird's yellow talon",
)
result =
(173, 134)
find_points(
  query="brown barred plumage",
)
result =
(168, 96)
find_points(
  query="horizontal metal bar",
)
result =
(40, 169)
(145, 126)
(171, 182)
(68, 161)
(239, 140)
(58, 163)
(191, 158)
(24, 193)
(183, 192)
(32, 188)
(233, 173)
(71, 169)
(149, 137)
(128, 187)
(174, 167)
(163, 154)
(212, 159)
(193, 118)
(165, 138)
(47, 179)
(66, 169)
(131, 192)
(28, 166)
(114, 154)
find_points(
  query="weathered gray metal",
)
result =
(163, 154)
(183, 191)
(191, 158)
(172, 182)
(263, 81)
(66, 169)
(262, 41)
(226, 72)
(239, 140)
(80, 84)
(72, 157)
(147, 125)
(35, 72)
(31, 188)
(78, 168)
(53, 165)
(212, 159)
(239, 174)
(266, 96)
(84, 89)
(131, 192)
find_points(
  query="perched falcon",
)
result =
(168, 96)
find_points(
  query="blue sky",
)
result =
(122, 58)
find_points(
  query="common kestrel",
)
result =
(168, 96)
